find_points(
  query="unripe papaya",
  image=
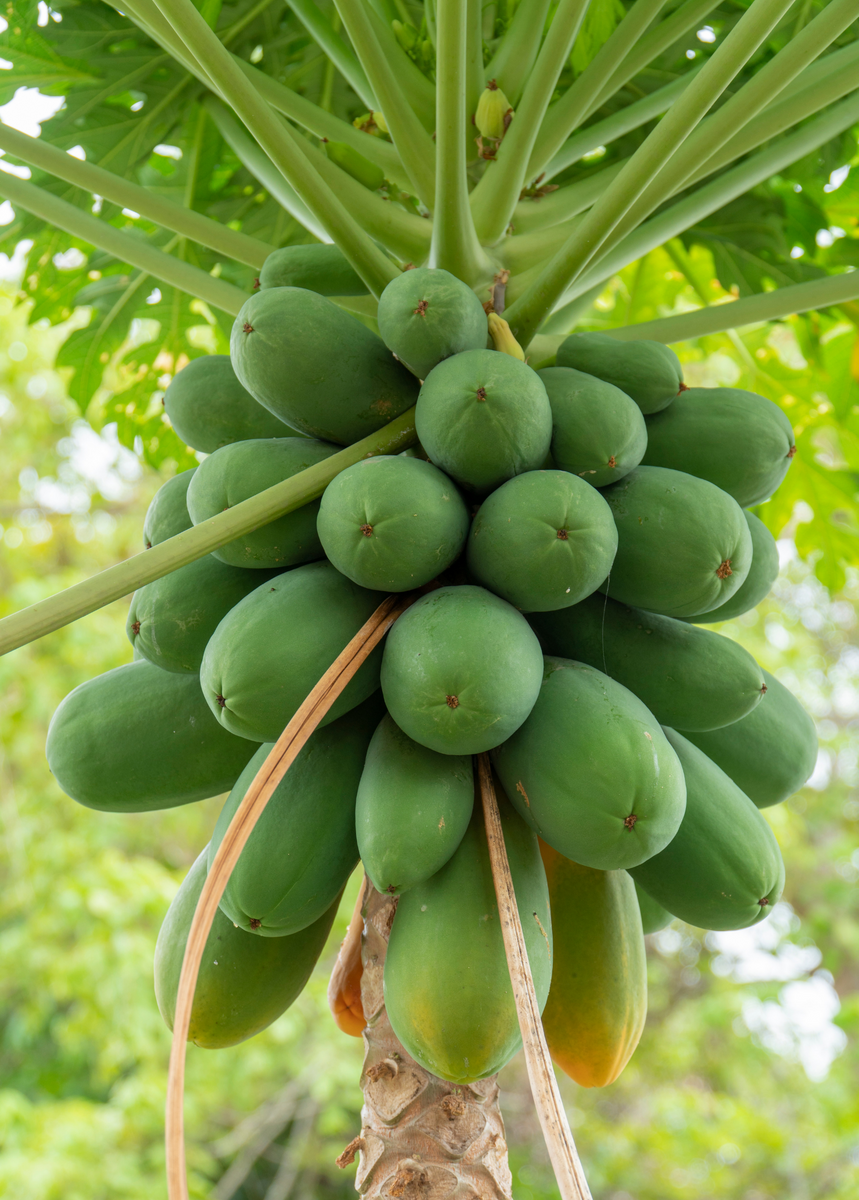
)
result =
(758, 583)
(599, 432)
(461, 670)
(592, 772)
(235, 473)
(484, 417)
(272, 648)
(723, 869)
(647, 371)
(683, 545)
(597, 1004)
(168, 513)
(653, 916)
(413, 808)
(318, 268)
(316, 367)
(138, 738)
(447, 985)
(770, 753)
(302, 849)
(688, 677)
(208, 407)
(392, 523)
(171, 619)
(427, 314)
(740, 441)
(245, 982)
(542, 541)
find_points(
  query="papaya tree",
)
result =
(397, 218)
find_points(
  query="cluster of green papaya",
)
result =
(568, 534)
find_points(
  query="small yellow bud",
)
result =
(380, 122)
(503, 339)
(493, 112)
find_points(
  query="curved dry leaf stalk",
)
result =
(544, 1086)
(278, 762)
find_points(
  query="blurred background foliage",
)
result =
(744, 1084)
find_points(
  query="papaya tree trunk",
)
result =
(421, 1137)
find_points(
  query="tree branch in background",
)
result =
(280, 144)
(159, 560)
(738, 47)
(123, 246)
(95, 180)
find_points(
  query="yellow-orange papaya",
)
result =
(344, 986)
(597, 1003)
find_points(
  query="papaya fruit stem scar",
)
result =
(724, 569)
(246, 328)
(481, 395)
(221, 700)
(421, 310)
(367, 530)
(350, 1153)
(629, 822)
(452, 701)
(563, 536)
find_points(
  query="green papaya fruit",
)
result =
(447, 986)
(392, 523)
(770, 753)
(543, 540)
(271, 650)
(597, 1004)
(483, 417)
(318, 267)
(688, 677)
(317, 367)
(461, 670)
(138, 739)
(413, 809)
(235, 473)
(592, 772)
(208, 407)
(723, 869)
(653, 916)
(683, 545)
(302, 850)
(168, 513)
(740, 441)
(647, 371)
(758, 583)
(171, 619)
(355, 164)
(598, 431)
(426, 315)
(245, 982)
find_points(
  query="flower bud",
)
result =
(493, 112)
(503, 339)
